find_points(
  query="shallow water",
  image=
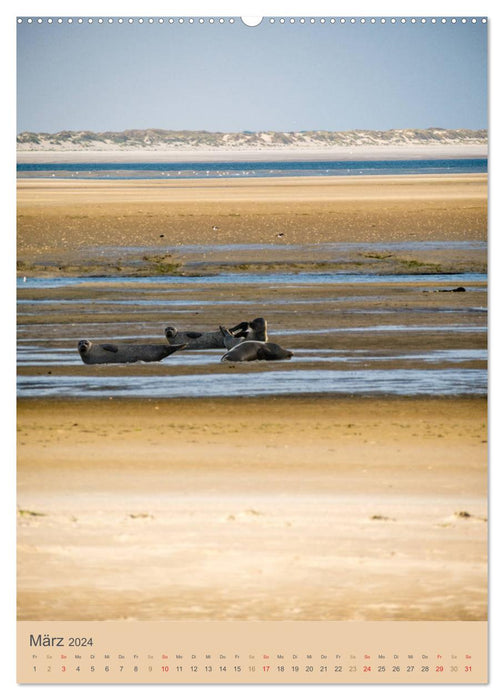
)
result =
(369, 339)
(237, 169)
(410, 328)
(34, 355)
(274, 279)
(363, 382)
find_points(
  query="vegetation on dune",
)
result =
(158, 139)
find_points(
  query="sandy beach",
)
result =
(278, 509)
(252, 155)
(329, 506)
(65, 226)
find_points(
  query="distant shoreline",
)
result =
(255, 155)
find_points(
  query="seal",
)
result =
(230, 340)
(250, 350)
(210, 340)
(112, 353)
(251, 330)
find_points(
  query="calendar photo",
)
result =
(252, 349)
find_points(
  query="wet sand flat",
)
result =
(59, 221)
(344, 507)
(279, 508)
(146, 282)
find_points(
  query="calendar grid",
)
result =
(252, 652)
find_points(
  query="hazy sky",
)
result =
(229, 77)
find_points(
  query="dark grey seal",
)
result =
(250, 350)
(116, 353)
(209, 340)
(251, 330)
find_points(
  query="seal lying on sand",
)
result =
(253, 330)
(108, 353)
(249, 350)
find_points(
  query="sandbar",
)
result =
(70, 224)
(145, 155)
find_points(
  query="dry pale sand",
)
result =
(293, 508)
(66, 225)
(193, 155)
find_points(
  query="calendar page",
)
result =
(251, 349)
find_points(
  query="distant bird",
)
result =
(280, 235)
(215, 228)
(24, 279)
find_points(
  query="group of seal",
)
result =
(244, 342)
(212, 340)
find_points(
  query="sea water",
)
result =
(398, 382)
(190, 170)
(274, 278)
